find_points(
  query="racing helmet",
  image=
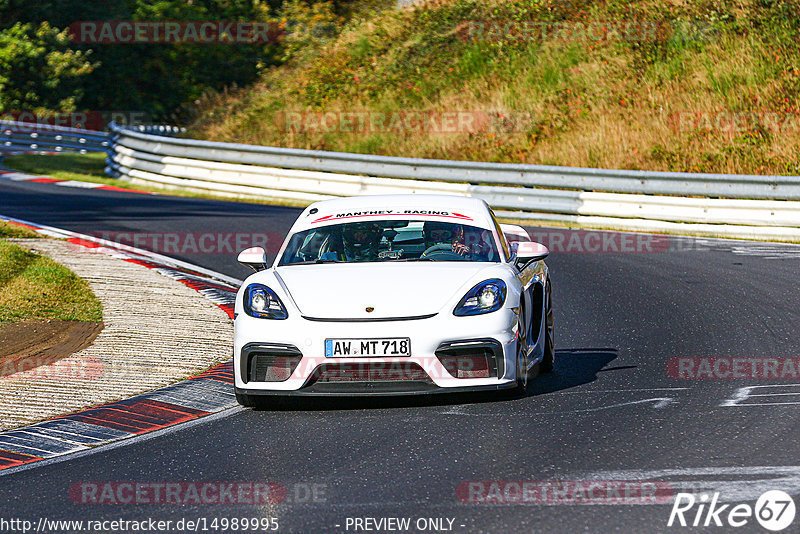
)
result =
(361, 240)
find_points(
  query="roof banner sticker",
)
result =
(395, 213)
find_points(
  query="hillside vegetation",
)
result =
(662, 85)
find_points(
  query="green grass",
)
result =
(15, 231)
(66, 166)
(36, 287)
(62, 166)
(82, 167)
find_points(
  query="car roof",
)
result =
(448, 208)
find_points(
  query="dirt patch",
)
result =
(29, 344)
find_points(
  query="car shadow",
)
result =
(573, 367)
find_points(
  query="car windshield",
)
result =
(395, 240)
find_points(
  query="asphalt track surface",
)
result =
(609, 412)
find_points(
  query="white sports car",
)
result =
(393, 294)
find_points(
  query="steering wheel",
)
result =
(444, 251)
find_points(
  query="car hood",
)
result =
(391, 289)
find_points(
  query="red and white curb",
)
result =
(127, 252)
(205, 394)
(23, 177)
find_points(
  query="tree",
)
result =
(39, 70)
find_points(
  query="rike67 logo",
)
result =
(774, 510)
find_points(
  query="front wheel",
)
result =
(522, 358)
(549, 358)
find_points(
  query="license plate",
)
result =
(342, 348)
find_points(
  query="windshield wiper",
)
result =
(413, 259)
(310, 262)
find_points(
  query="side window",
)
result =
(311, 246)
(501, 236)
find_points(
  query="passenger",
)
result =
(360, 241)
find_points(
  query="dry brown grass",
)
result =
(603, 104)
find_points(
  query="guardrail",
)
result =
(703, 204)
(706, 204)
(18, 137)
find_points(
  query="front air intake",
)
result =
(478, 358)
(269, 362)
(357, 371)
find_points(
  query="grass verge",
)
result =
(90, 168)
(66, 166)
(15, 231)
(36, 287)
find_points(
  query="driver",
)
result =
(438, 233)
(464, 241)
(476, 242)
(444, 233)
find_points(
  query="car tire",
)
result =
(549, 358)
(245, 400)
(522, 374)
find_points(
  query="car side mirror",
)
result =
(530, 251)
(515, 233)
(255, 258)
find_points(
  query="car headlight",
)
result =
(488, 296)
(261, 301)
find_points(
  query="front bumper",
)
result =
(434, 366)
(370, 389)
